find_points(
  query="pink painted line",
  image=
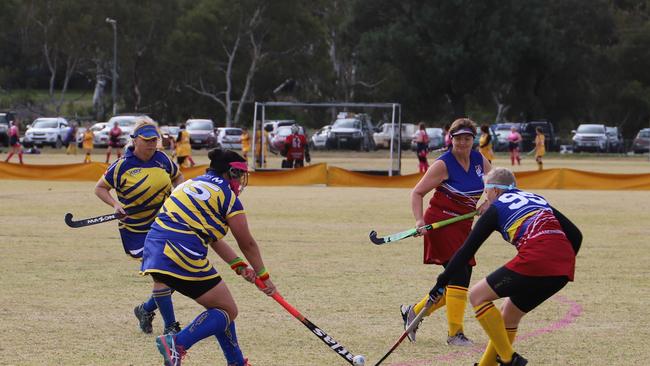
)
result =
(575, 310)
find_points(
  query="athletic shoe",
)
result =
(246, 363)
(145, 318)
(172, 353)
(174, 328)
(517, 360)
(459, 340)
(408, 315)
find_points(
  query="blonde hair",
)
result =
(139, 124)
(501, 176)
(462, 123)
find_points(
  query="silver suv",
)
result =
(590, 137)
(46, 131)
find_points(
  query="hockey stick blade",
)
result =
(412, 232)
(321, 334)
(100, 219)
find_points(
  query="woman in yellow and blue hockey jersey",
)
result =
(142, 179)
(196, 216)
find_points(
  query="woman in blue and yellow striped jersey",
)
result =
(197, 215)
(142, 180)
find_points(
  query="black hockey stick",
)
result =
(335, 346)
(104, 218)
(412, 232)
(414, 324)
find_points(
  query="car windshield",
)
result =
(97, 127)
(284, 131)
(123, 121)
(347, 123)
(45, 123)
(199, 125)
(434, 131)
(591, 129)
(644, 133)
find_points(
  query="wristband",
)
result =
(263, 274)
(237, 264)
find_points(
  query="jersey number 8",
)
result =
(519, 199)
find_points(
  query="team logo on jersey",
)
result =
(134, 172)
(479, 171)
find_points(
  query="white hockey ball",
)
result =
(358, 360)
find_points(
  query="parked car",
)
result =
(202, 133)
(5, 117)
(272, 126)
(383, 136)
(614, 139)
(277, 141)
(590, 137)
(641, 142)
(95, 127)
(493, 135)
(126, 122)
(168, 134)
(502, 130)
(229, 137)
(352, 131)
(436, 138)
(46, 131)
(319, 139)
(528, 133)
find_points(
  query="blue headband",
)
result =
(500, 186)
(147, 132)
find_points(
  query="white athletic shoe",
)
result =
(408, 315)
(459, 340)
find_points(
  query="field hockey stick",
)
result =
(329, 341)
(412, 232)
(100, 219)
(414, 324)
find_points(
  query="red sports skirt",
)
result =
(545, 255)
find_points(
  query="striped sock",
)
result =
(419, 306)
(163, 299)
(489, 357)
(456, 301)
(150, 305)
(492, 322)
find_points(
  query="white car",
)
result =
(319, 139)
(229, 137)
(127, 124)
(46, 131)
(383, 137)
(96, 127)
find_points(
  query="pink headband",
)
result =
(239, 165)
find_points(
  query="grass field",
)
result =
(67, 294)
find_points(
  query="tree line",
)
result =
(567, 61)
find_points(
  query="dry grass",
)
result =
(67, 294)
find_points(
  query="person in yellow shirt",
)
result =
(540, 148)
(88, 143)
(262, 150)
(485, 143)
(183, 148)
(245, 142)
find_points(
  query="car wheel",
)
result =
(58, 144)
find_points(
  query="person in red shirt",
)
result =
(296, 149)
(114, 141)
(14, 142)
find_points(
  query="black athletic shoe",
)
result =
(174, 328)
(517, 360)
(145, 318)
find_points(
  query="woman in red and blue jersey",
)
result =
(457, 177)
(197, 216)
(142, 180)
(547, 244)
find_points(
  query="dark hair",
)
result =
(220, 160)
(485, 129)
(182, 126)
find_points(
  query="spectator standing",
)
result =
(485, 143)
(71, 139)
(514, 139)
(457, 177)
(296, 149)
(142, 180)
(540, 148)
(87, 143)
(245, 143)
(262, 143)
(14, 142)
(184, 148)
(114, 141)
(422, 147)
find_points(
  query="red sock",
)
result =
(20, 157)
(9, 157)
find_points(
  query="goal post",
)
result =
(395, 164)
